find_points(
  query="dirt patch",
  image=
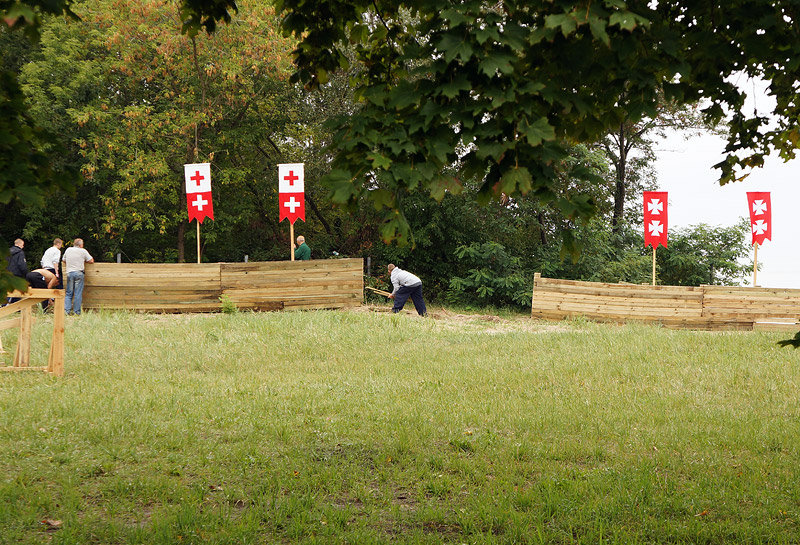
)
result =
(484, 323)
(442, 318)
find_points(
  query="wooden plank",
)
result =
(261, 306)
(351, 283)
(751, 314)
(318, 291)
(144, 268)
(22, 357)
(326, 264)
(311, 282)
(620, 309)
(55, 360)
(158, 305)
(765, 300)
(38, 294)
(164, 283)
(11, 368)
(751, 292)
(671, 323)
(111, 298)
(18, 306)
(10, 324)
(620, 286)
(639, 293)
(550, 297)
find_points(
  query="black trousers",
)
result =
(402, 295)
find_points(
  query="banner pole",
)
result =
(755, 263)
(198, 240)
(654, 264)
(291, 240)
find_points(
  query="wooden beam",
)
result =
(379, 292)
(55, 361)
(9, 324)
(22, 357)
(8, 310)
(36, 293)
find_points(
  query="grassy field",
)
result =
(360, 427)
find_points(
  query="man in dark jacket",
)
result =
(16, 263)
(16, 260)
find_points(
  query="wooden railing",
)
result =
(191, 287)
(681, 307)
(22, 353)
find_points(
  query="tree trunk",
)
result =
(318, 214)
(181, 241)
(542, 234)
(619, 189)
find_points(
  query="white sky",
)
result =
(684, 169)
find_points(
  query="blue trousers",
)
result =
(402, 295)
(74, 295)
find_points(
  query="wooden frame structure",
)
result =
(22, 354)
(192, 287)
(677, 307)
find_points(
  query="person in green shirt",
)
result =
(302, 252)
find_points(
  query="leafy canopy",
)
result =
(499, 88)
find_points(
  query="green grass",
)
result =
(343, 427)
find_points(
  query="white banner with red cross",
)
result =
(291, 192)
(198, 191)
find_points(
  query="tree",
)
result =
(702, 254)
(26, 170)
(138, 101)
(630, 151)
(499, 88)
(27, 152)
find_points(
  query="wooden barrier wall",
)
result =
(680, 307)
(191, 287)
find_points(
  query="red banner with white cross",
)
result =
(198, 191)
(291, 192)
(655, 218)
(760, 216)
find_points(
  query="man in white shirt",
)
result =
(75, 258)
(406, 285)
(52, 256)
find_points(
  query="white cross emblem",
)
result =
(200, 203)
(759, 207)
(291, 204)
(655, 206)
(655, 228)
(760, 227)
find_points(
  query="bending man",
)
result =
(406, 285)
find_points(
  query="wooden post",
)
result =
(55, 362)
(291, 240)
(198, 240)
(536, 279)
(654, 264)
(22, 355)
(755, 263)
(22, 358)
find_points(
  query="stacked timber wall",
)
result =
(190, 287)
(679, 307)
